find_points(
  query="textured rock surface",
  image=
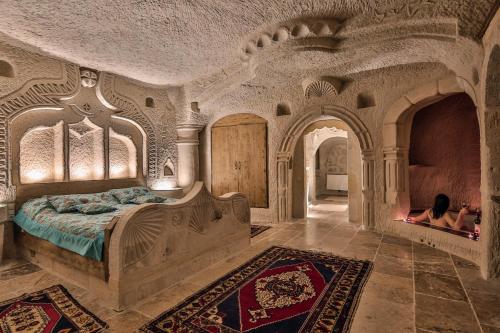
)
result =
(171, 42)
(445, 154)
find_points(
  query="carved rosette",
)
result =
(241, 209)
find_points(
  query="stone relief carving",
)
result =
(35, 93)
(141, 235)
(322, 86)
(409, 9)
(293, 30)
(88, 78)
(241, 209)
(127, 109)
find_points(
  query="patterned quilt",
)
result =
(80, 233)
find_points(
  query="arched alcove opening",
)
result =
(428, 173)
(6, 69)
(239, 157)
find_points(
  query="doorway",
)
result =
(327, 172)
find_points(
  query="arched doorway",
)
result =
(239, 157)
(286, 160)
(326, 172)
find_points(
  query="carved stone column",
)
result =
(368, 165)
(396, 180)
(284, 200)
(187, 155)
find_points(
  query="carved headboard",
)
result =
(69, 150)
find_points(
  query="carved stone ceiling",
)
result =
(175, 42)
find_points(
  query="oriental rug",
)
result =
(282, 290)
(256, 229)
(52, 310)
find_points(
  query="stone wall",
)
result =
(332, 160)
(444, 154)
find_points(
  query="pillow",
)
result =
(68, 203)
(35, 206)
(147, 198)
(126, 195)
(63, 204)
(95, 208)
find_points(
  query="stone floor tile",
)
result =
(435, 267)
(395, 251)
(440, 315)
(127, 321)
(16, 271)
(438, 285)
(424, 253)
(388, 239)
(393, 266)
(490, 329)
(487, 307)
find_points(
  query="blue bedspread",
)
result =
(84, 234)
(80, 233)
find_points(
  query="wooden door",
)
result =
(239, 158)
(252, 163)
(224, 160)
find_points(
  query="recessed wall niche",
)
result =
(6, 69)
(86, 151)
(41, 154)
(283, 109)
(122, 156)
(365, 100)
(150, 102)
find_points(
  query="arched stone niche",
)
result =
(396, 137)
(396, 140)
(41, 154)
(6, 69)
(61, 145)
(286, 151)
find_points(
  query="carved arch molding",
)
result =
(39, 93)
(285, 156)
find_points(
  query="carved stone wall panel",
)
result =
(128, 109)
(36, 93)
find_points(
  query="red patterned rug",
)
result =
(52, 310)
(281, 290)
(256, 229)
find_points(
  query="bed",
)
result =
(133, 252)
(136, 250)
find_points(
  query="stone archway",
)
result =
(396, 137)
(285, 157)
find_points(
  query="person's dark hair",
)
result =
(441, 204)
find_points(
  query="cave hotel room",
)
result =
(256, 166)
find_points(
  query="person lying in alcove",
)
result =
(439, 216)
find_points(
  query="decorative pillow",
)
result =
(126, 195)
(147, 198)
(35, 206)
(63, 204)
(102, 198)
(95, 208)
(68, 203)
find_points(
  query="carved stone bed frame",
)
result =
(149, 247)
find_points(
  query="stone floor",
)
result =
(413, 288)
